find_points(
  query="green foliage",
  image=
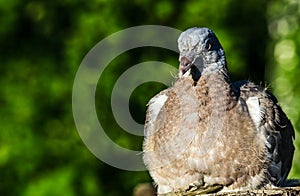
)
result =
(43, 43)
(283, 67)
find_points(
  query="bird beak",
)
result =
(191, 65)
(185, 65)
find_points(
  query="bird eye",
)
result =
(208, 45)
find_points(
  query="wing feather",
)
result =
(155, 105)
(272, 124)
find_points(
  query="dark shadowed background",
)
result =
(43, 43)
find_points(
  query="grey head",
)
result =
(200, 53)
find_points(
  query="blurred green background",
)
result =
(43, 43)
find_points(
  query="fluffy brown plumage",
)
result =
(205, 131)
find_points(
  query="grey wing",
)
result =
(273, 125)
(155, 105)
(153, 129)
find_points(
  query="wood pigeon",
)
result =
(207, 133)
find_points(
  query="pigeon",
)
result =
(208, 134)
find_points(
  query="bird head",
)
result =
(200, 53)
